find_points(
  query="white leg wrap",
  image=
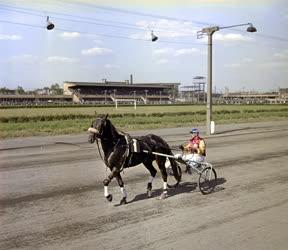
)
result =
(123, 191)
(151, 178)
(106, 191)
(165, 185)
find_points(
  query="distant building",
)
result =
(44, 91)
(195, 92)
(255, 97)
(109, 91)
(283, 93)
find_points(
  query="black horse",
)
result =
(123, 151)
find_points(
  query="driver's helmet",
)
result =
(194, 131)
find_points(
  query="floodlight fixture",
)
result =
(251, 28)
(49, 26)
(153, 37)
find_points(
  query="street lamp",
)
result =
(209, 31)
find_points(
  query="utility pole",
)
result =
(209, 31)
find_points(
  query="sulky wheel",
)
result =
(207, 180)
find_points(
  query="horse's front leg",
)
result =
(106, 182)
(123, 191)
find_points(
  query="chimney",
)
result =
(131, 79)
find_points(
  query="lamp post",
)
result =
(209, 31)
(134, 91)
(105, 91)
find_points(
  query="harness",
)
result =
(127, 151)
(132, 146)
(126, 156)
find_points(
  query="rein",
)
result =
(101, 156)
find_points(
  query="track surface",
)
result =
(51, 195)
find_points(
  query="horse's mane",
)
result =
(114, 132)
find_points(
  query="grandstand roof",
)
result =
(122, 84)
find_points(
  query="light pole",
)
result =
(146, 95)
(105, 91)
(209, 31)
(134, 91)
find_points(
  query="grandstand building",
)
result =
(280, 97)
(34, 99)
(107, 92)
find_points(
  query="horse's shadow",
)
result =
(184, 187)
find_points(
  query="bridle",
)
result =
(97, 133)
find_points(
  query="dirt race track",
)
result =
(51, 195)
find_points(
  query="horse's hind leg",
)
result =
(153, 173)
(123, 191)
(161, 163)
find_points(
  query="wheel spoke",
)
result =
(207, 180)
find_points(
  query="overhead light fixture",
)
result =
(50, 26)
(251, 28)
(153, 37)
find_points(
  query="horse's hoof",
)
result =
(123, 201)
(109, 197)
(163, 196)
(149, 193)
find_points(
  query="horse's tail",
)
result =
(177, 172)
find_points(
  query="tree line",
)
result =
(54, 89)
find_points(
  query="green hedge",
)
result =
(23, 119)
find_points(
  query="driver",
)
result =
(194, 150)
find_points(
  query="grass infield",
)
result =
(22, 122)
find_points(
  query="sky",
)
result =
(96, 40)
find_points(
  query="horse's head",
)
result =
(97, 129)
